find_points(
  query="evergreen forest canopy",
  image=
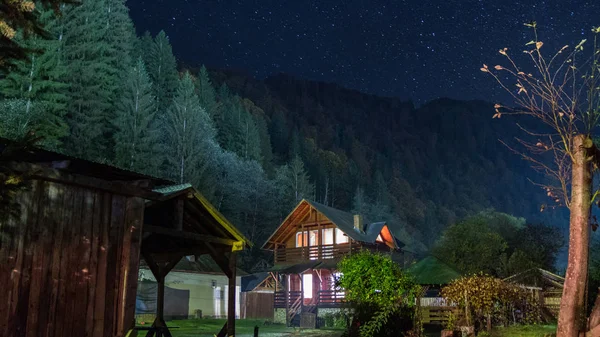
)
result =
(253, 147)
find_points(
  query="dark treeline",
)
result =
(255, 148)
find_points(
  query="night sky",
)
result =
(413, 49)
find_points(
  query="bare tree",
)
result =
(561, 92)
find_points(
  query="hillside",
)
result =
(425, 166)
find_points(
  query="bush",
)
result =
(335, 320)
(381, 294)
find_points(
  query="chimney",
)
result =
(358, 222)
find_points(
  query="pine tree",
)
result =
(266, 151)
(39, 81)
(24, 16)
(293, 184)
(189, 130)
(162, 68)
(136, 138)
(121, 35)
(91, 77)
(206, 92)
(359, 202)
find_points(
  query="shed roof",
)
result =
(201, 221)
(537, 277)
(432, 271)
(73, 164)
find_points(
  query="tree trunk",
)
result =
(572, 308)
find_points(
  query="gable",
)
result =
(340, 219)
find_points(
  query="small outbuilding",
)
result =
(544, 286)
(70, 249)
(432, 274)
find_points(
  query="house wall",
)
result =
(68, 264)
(203, 296)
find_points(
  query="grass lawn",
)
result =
(243, 328)
(525, 331)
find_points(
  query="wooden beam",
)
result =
(188, 235)
(179, 214)
(154, 268)
(167, 255)
(231, 295)
(219, 258)
(286, 281)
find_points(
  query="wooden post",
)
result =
(179, 214)
(231, 296)
(256, 331)
(286, 279)
(160, 299)
(305, 242)
(320, 241)
(160, 270)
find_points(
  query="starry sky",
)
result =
(412, 49)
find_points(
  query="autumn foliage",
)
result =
(484, 299)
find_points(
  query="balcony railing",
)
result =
(325, 298)
(301, 254)
(293, 297)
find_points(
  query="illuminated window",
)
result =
(328, 236)
(307, 286)
(301, 239)
(340, 237)
(314, 237)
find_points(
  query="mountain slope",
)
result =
(426, 167)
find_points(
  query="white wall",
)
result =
(212, 300)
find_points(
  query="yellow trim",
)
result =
(237, 246)
(284, 221)
(224, 222)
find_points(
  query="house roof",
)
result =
(342, 219)
(432, 271)
(537, 277)
(250, 282)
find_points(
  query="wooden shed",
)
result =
(69, 258)
(546, 287)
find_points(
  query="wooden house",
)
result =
(69, 257)
(307, 246)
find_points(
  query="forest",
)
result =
(255, 147)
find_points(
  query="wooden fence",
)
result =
(437, 315)
(257, 305)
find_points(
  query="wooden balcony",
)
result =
(315, 253)
(325, 299)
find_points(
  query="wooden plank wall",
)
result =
(258, 305)
(68, 266)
